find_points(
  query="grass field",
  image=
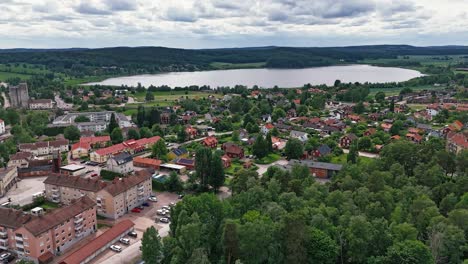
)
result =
(227, 66)
(171, 96)
(342, 159)
(272, 157)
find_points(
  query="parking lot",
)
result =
(142, 221)
(23, 191)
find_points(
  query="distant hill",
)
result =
(131, 60)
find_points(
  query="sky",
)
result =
(230, 23)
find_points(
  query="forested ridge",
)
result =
(409, 206)
(119, 60)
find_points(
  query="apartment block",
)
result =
(64, 189)
(42, 236)
(45, 148)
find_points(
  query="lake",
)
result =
(268, 78)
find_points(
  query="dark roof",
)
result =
(13, 218)
(182, 161)
(21, 155)
(179, 151)
(48, 221)
(324, 149)
(122, 158)
(75, 182)
(351, 136)
(313, 164)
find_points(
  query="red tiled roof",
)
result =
(43, 223)
(133, 144)
(210, 141)
(99, 242)
(120, 185)
(459, 139)
(147, 161)
(82, 145)
(269, 126)
(94, 140)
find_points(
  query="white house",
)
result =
(302, 136)
(121, 163)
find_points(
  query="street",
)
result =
(364, 154)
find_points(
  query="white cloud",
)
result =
(226, 23)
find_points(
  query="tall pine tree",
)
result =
(112, 124)
(151, 246)
(217, 176)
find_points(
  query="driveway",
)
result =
(262, 168)
(142, 221)
(23, 191)
(364, 154)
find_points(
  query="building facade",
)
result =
(41, 104)
(19, 95)
(121, 163)
(2, 127)
(32, 236)
(8, 178)
(63, 189)
(45, 148)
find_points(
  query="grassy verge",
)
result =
(7, 75)
(396, 90)
(272, 157)
(171, 96)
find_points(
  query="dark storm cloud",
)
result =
(277, 16)
(88, 9)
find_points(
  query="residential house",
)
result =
(416, 138)
(457, 142)
(232, 150)
(321, 151)
(165, 118)
(80, 150)
(39, 238)
(45, 148)
(132, 146)
(210, 142)
(8, 178)
(41, 104)
(266, 118)
(97, 142)
(302, 136)
(278, 143)
(283, 127)
(291, 113)
(177, 153)
(321, 170)
(188, 163)
(121, 163)
(226, 161)
(347, 140)
(386, 127)
(266, 128)
(369, 132)
(191, 132)
(20, 159)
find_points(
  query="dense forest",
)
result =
(125, 60)
(409, 206)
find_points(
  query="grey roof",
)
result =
(296, 133)
(122, 158)
(324, 149)
(316, 164)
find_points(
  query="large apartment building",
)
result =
(98, 121)
(131, 146)
(41, 236)
(114, 199)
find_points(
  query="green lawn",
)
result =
(235, 167)
(342, 159)
(272, 157)
(171, 96)
(417, 107)
(396, 90)
(49, 205)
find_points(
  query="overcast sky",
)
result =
(231, 23)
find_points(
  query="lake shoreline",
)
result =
(267, 77)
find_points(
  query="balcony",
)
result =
(55, 195)
(19, 238)
(140, 188)
(78, 220)
(54, 189)
(4, 240)
(78, 227)
(3, 234)
(18, 245)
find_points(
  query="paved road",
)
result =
(364, 154)
(61, 104)
(262, 168)
(6, 103)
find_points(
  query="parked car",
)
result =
(136, 210)
(153, 199)
(140, 207)
(145, 204)
(125, 241)
(181, 196)
(132, 234)
(116, 248)
(6, 257)
(161, 212)
(94, 175)
(166, 207)
(164, 220)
